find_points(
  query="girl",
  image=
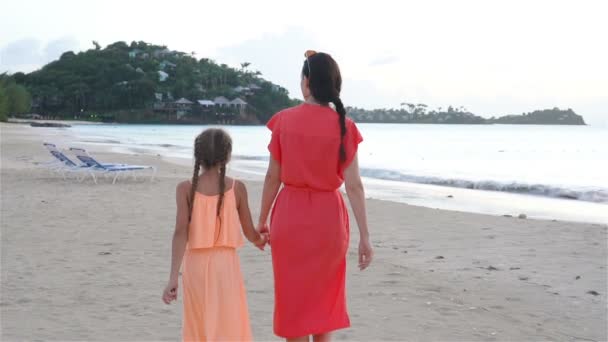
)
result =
(209, 212)
(313, 152)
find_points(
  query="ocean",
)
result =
(550, 172)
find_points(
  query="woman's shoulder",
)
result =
(288, 111)
(274, 122)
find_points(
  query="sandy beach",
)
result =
(85, 261)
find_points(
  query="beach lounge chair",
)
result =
(65, 165)
(116, 169)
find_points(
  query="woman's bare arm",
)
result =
(272, 183)
(356, 196)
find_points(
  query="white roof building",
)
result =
(221, 101)
(162, 76)
(238, 102)
(184, 101)
(206, 103)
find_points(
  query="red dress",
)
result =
(309, 226)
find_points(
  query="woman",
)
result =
(313, 152)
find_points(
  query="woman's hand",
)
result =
(262, 228)
(170, 292)
(365, 253)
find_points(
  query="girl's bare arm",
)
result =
(245, 214)
(180, 235)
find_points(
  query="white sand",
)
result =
(88, 262)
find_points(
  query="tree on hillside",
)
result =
(19, 99)
(3, 103)
(14, 98)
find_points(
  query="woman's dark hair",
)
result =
(325, 83)
(211, 148)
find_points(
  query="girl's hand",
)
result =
(170, 292)
(365, 253)
(262, 241)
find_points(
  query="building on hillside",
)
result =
(221, 101)
(206, 103)
(183, 107)
(133, 53)
(166, 64)
(183, 103)
(162, 76)
(254, 87)
(161, 52)
(246, 91)
(239, 104)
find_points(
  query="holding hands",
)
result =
(264, 236)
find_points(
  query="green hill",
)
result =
(128, 83)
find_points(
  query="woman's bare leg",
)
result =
(322, 337)
(298, 339)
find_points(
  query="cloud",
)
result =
(28, 54)
(278, 56)
(385, 60)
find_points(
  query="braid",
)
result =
(212, 149)
(197, 169)
(195, 174)
(325, 87)
(342, 118)
(222, 187)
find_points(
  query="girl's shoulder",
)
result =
(183, 187)
(239, 186)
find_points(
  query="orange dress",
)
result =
(215, 302)
(309, 226)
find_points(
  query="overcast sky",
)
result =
(491, 57)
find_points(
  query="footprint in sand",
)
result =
(513, 299)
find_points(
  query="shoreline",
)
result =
(436, 196)
(85, 122)
(83, 260)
